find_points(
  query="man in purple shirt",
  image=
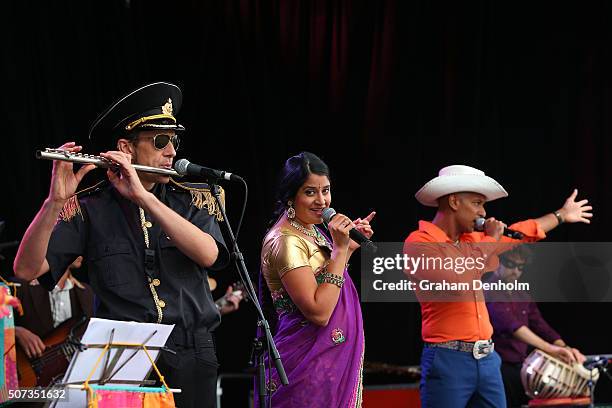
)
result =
(518, 326)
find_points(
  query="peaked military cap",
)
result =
(153, 106)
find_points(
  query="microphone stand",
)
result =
(259, 343)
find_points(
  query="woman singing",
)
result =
(318, 327)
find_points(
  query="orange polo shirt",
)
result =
(464, 320)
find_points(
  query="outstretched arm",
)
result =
(571, 212)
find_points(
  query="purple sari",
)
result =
(323, 364)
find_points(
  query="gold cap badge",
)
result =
(167, 108)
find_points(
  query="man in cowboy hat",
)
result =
(147, 240)
(459, 366)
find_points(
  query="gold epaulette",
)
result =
(72, 206)
(202, 197)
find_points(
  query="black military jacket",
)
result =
(107, 231)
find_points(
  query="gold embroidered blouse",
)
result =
(284, 250)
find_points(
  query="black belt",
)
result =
(196, 338)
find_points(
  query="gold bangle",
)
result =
(333, 279)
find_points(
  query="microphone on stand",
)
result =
(479, 226)
(356, 235)
(185, 168)
(595, 362)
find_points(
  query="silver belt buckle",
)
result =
(482, 348)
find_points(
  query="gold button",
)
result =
(161, 303)
(156, 282)
(148, 224)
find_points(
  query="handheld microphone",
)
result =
(186, 168)
(479, 226)
(357, 236)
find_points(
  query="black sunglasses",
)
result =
(161, 140)
(511, 264)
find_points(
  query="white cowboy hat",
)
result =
(456, 179)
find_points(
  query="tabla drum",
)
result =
(544, 376)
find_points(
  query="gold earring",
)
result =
(290, 210)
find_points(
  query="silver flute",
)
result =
(82, 158)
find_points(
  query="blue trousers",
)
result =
(455, 379)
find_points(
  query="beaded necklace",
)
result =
(320, 240)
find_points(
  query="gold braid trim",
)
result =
(202, 197)
(72, 206)
(70, 209)
(138, 121)
(145, 232)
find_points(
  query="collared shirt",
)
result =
(509, 312)
(59, 301)
(462, 320)
(108, 233)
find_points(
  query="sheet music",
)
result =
(99, 332)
